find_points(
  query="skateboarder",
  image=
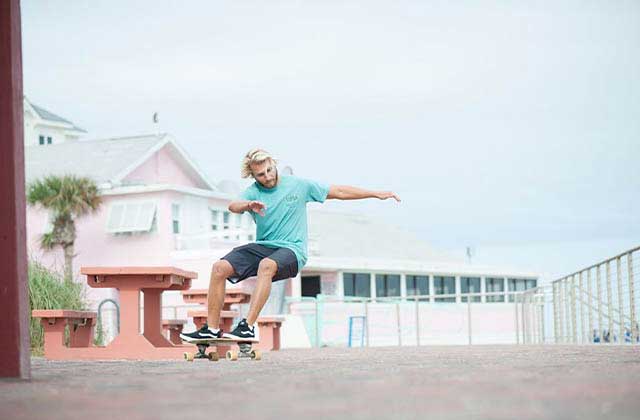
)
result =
(277, 204)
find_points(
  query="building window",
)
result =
(250, 238)
(418, 285)
(444, 286)
(238, 221)
(48, 140)
(387, 285)
(519, 285)
(175, 217)
(357, 284)
(226, 217)
(470, 285)
(41, 140)
(495, 285)
(215, 219)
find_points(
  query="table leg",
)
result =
(153, 318)
(129, 312)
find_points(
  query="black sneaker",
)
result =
(202, 334)
(241, 331)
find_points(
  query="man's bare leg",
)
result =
(266, 271)
(220, 271)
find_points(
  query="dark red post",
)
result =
(14, 301)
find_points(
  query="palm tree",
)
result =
(66, 198)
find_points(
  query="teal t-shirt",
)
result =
(285, 221)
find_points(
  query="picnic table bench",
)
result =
(173, 328)
(55, 322)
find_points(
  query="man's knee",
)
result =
(267, 266)
(221, 270)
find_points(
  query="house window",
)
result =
(444, 286)
(357, 284)
(41, 140)
(470, 285)
(495, 285)
(48, 140)
(131, 217)
(519, 285)
(226, 217)
(215, 219)
(418, 285)
(387, 285)
(175, 217)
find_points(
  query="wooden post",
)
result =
(14, 327)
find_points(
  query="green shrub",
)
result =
(48, 290)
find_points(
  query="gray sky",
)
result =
(508, 126)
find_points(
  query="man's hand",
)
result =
(383, 195)
(257, 207)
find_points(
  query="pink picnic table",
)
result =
(130, 281)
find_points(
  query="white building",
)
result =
(42, 127)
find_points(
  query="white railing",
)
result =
(414, 320)
(599, 303)
(213, 239)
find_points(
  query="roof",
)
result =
(356, 241)
(367, 238)
(50, 116)
(104, 161)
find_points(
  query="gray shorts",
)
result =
(246, 258)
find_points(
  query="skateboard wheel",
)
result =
(188, 357)
(256, 354)
(213, 356)
(232, 355)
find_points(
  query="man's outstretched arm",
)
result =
(346, 192)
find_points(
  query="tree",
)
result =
(66, 198)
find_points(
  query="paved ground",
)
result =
(448, 382)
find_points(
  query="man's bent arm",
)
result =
(346, 192)
(239, 206)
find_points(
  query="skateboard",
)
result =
(244, 346)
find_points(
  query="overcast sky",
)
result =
(509, 126)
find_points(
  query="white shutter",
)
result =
(133, 216)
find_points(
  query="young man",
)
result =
(278, 205)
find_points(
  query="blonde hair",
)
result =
(254, 156)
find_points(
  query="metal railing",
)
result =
(411, 320)
(598, 304)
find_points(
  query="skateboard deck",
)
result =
(244, 351)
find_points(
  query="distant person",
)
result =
(278, 205)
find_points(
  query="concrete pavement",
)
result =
(437, 382)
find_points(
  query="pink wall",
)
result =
(161, 168)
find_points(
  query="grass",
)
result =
(48, 290)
